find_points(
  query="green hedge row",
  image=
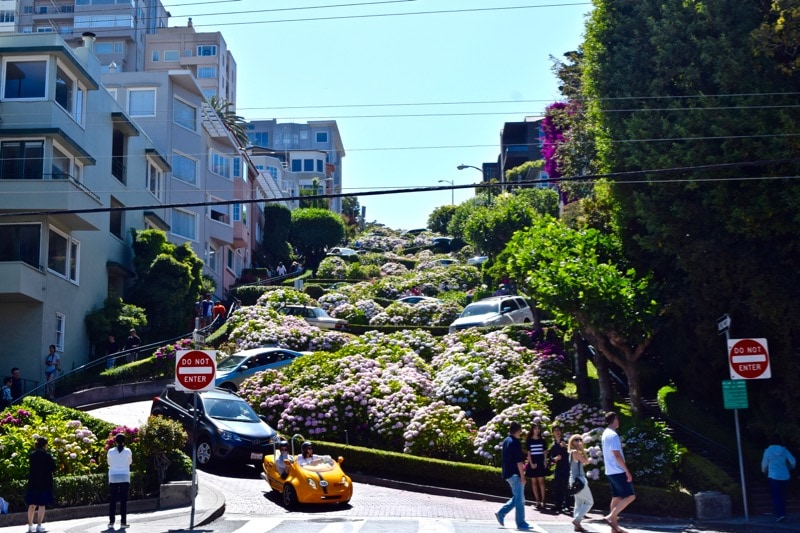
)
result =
(71, 491)
(486, 479)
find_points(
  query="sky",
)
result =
(417, 87)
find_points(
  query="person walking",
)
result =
(619, 476)
(52, 364)
(119, 480)
(5, 395)
(583, 498)
(16, 384)
(776, 463)
(536, 468)
(40, 484)
(513, 471)
(559, 457)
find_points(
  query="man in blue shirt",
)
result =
(513, 463)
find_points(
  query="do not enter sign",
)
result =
(195, 370)
(749, 359)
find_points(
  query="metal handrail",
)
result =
(48, 389)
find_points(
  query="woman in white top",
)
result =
(119, 480)
(583, 498)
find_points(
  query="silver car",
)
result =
(316, 316)
(494, 311)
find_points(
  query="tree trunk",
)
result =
(604, 380)
(582, 384)
(634, 388)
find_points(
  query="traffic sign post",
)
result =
(195, 371)
(749, 359)
(734, 393)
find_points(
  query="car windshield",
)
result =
(229, 409)
(320, 313)
(480, 308)
(230, 362)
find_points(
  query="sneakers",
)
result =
(40, 529)
(31, 529)
(111, 525)
(525, 527)
(124, 525)
(499, 518)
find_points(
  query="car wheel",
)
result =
(229, 386)
(204, 452)
(289, 496)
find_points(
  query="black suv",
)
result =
(227, 427)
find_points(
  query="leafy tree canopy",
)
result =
(440, 218)
(313, 231)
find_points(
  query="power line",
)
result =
(280, 9)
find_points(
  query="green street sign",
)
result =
(734, 393)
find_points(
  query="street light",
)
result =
(462, 166)
(452, 191)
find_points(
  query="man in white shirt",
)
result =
(619, 477)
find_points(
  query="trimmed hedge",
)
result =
(71, 491)
(486, 479)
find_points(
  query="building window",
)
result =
(184, 168)
(172, 55)
(24, 79)
(21, 160)
(155, 56)
(219, 213)
(297, 165)
(209, 93)
(61, 321)
(7, 16)
(65, 86)
(207, 50)
(229, 258)
(237, 167)
(103, 48)
(184, 224)
(259, 138)
(237, 212)
(308, 165)
(115, 219)
(20, 242)
(74, 260)
(184, 115)
(322, 136)
(155, 183)
(57, 250)
(319, 165)
(207, 72)
(142, 102)
(119, 47)
(61, 167)
(211, 253)
(220, 164)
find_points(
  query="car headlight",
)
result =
(312, 484)
(229, 435)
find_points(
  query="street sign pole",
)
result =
(724, 325)
(194, 461)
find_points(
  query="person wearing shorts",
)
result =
(619, 476)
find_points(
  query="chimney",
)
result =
(190, 22)
(88, 40)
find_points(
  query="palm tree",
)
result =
(232, 121)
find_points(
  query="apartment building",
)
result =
(206, 165)
(68, 152)
(119, 25)
(311, 154)
(205, 54)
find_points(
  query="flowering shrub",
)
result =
(393, 269)
(524, 388)
(656, 454)
(280, 296)
(332, 267)
(489, 439)
(389, 416)
(168, 351)
(439, 430)
(332, 300)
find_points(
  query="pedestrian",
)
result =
(5, 394)
(52, 364)
(133, 341)
(281, 270)
(583, 498)
(559, 457)
(218, 311)
(119, 480)
(207, 305)
(112, 347)
(513, 471)
(536, 468)
(40, 484)
(283, 458)
(776, 463)
(16, 384)
(619, 476)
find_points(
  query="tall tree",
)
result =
(582, 278)
(698, 127)
(275, 247)
(313, 231)
(233, 122)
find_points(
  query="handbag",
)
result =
(576, 486)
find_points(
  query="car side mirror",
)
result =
(505, 310)
(242, 368)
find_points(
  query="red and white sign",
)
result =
(749, 359)
(195, 370)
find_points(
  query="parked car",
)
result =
(227, 427)
(494, 311)
(324, 482)
(341, 251)
(316, 316)
(414, 300)
(442, 243)
(234, 369)
(477, 260)
(445, 262)
(415, 231)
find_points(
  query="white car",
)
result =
(342, 251)
(316, 316)
(477, 260)
(494, 311)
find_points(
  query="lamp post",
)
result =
(452, 191)
(462, 166)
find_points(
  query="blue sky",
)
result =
(414, 95)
